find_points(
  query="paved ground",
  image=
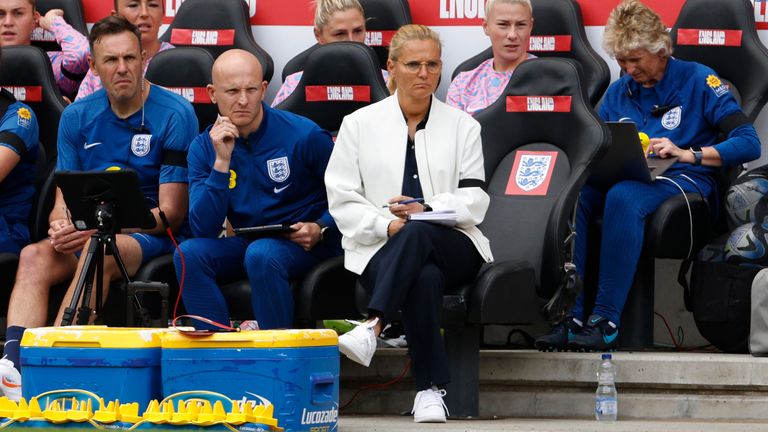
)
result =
(351, 423)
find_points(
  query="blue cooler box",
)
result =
(297, 371)
(114, 363)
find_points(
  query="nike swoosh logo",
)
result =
(629, 119)
(278, 190)
(10, 384)
(610, 338)
(87, 146)
(592, 321)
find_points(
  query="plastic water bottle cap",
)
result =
(606, 357)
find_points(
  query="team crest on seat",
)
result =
(531, 173)
(278, 169)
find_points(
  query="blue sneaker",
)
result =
(599, 334)
(559, 335)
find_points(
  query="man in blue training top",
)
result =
(18, 156)
(255, 166)
(129, 124)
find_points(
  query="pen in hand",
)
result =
(409, 201)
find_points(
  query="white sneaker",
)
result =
(10, 380)
(359, 344)
(429, 407)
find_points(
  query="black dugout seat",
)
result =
(558, 31)
(186, 71)
(26, 72)
(722, 35)
(73, 14)
(539, 142)
(338, 79)
(383, 18)
(217, 26)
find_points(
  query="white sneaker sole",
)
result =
(355, 356)
(429, 419)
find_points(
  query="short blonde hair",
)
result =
(632, 25)
(490, 3)
(324, 9)
(405, 34)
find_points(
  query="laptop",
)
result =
(625, 159)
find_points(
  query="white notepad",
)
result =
(442, 217)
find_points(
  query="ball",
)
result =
(747, 245)
(747, 199)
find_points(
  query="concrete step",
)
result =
(651, 385)
(353, 423)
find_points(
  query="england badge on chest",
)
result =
(671, 118)
(140, 144)
(278, 169)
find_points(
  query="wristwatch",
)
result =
(323, 228)
(697, 154)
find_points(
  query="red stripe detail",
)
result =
(550, 43)
(26, 93)
(539, 104)
(427, 12)
(221, 37)
(338, 93)
(195, 95)
(376, 38)
(709, 37)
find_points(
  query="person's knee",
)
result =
(36, 257)
(262, 256)
(431, 280)
(622, 196)
(190, 249)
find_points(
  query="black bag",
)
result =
(719, 296)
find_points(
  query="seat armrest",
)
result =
(668, 229)
(504, 293)
(329, 291)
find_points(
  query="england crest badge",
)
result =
(531, 173)
(671, 118)
(278, 169)
(140, 144)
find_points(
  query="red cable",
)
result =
(378, 386)
(675, 343)
(178, 299)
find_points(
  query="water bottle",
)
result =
(606, 398)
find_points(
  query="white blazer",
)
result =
(367, 166)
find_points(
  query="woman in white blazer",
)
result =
(407, 155)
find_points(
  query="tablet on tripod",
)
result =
(106, 201)
(85, 191)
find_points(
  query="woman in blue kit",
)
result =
(684, 107)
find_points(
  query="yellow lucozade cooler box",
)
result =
(115, 363)
(297, 371)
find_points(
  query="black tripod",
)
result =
(102, 242)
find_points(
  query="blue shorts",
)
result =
(153, 246)
(13, 236)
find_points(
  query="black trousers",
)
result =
(409, 274)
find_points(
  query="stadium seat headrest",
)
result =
(722, 35)
(338, 79)
(26, 72)
(186, 71)
(217, 26)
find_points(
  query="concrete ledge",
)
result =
(651, 385)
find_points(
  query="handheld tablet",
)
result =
(257, 232)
